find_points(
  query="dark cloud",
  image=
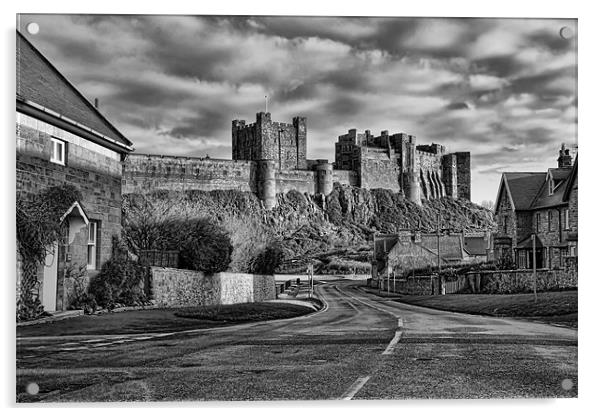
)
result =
(505, 89)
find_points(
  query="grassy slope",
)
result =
(552, 307)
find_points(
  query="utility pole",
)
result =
(266, 103)
(534, 269)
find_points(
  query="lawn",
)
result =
(165, 320)
(552, 307)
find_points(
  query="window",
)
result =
(92, 244)
(566, 220)
(537, 222)
(550, 187)
(550, 220)
(505, 221)
(57, 153)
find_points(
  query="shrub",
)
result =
(121, 280)
(204, 246)
(268, 260)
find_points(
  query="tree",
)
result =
(488, 204)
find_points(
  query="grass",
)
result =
(165, 320)
(551, 307)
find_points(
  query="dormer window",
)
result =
(550, 187)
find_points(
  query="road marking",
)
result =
(355, 387)
(394, 341)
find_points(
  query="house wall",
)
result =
(94, 170)
(551, 233)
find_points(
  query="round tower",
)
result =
(266, 182)
(324, 177)
(413, 189)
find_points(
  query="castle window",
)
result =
(58, 151)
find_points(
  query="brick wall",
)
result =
(177, 287)
(94, 170)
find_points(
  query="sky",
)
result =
(503, 89)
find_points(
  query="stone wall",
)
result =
(284, 143)
(94, 170)
(417, 285)
(464, 176)
(303, 181)
(521, 281)
(379, 168)
(143, 173)
(178, 287)
(345, 177)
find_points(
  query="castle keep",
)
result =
(270, 157)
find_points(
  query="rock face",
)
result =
(339, 225)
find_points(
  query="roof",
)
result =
(450, 245)
(543, 199)
(523, 187)
(475, 246)
(41, 86)
(528, 243)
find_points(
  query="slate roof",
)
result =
(450, 245)
(38, 81)
(523, 187)
(543, 199)
(475, 246)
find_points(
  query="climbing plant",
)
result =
(38, 227)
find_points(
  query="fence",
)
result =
(159, 258)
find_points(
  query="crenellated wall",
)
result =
(144, 173)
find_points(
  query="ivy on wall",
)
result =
(38, 228)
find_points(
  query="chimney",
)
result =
(565, 160)
(96, 103)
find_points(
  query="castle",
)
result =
(270, 157)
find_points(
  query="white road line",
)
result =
(394, 341)
(355, 387)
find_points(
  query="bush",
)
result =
(121, 280)
(268, 260)
(204, 246)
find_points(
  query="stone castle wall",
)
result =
(144, 173)
(379, 168)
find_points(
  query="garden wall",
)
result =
(178, 287)
(520, 281)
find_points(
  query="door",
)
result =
(50, 280)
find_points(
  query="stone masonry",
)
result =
(270, 157)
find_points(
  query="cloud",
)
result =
(504, 89)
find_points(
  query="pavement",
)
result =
(358, 347)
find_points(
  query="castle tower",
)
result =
(324, 173)
(411, 187)
(265, 182)
(463, 174)
(285, 143)
(449, 167)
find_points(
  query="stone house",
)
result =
(63, 139)
(538, 208)
(415, 250)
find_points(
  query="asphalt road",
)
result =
(360, 347)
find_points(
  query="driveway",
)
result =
(359, 347)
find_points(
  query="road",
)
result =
(360, 347)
